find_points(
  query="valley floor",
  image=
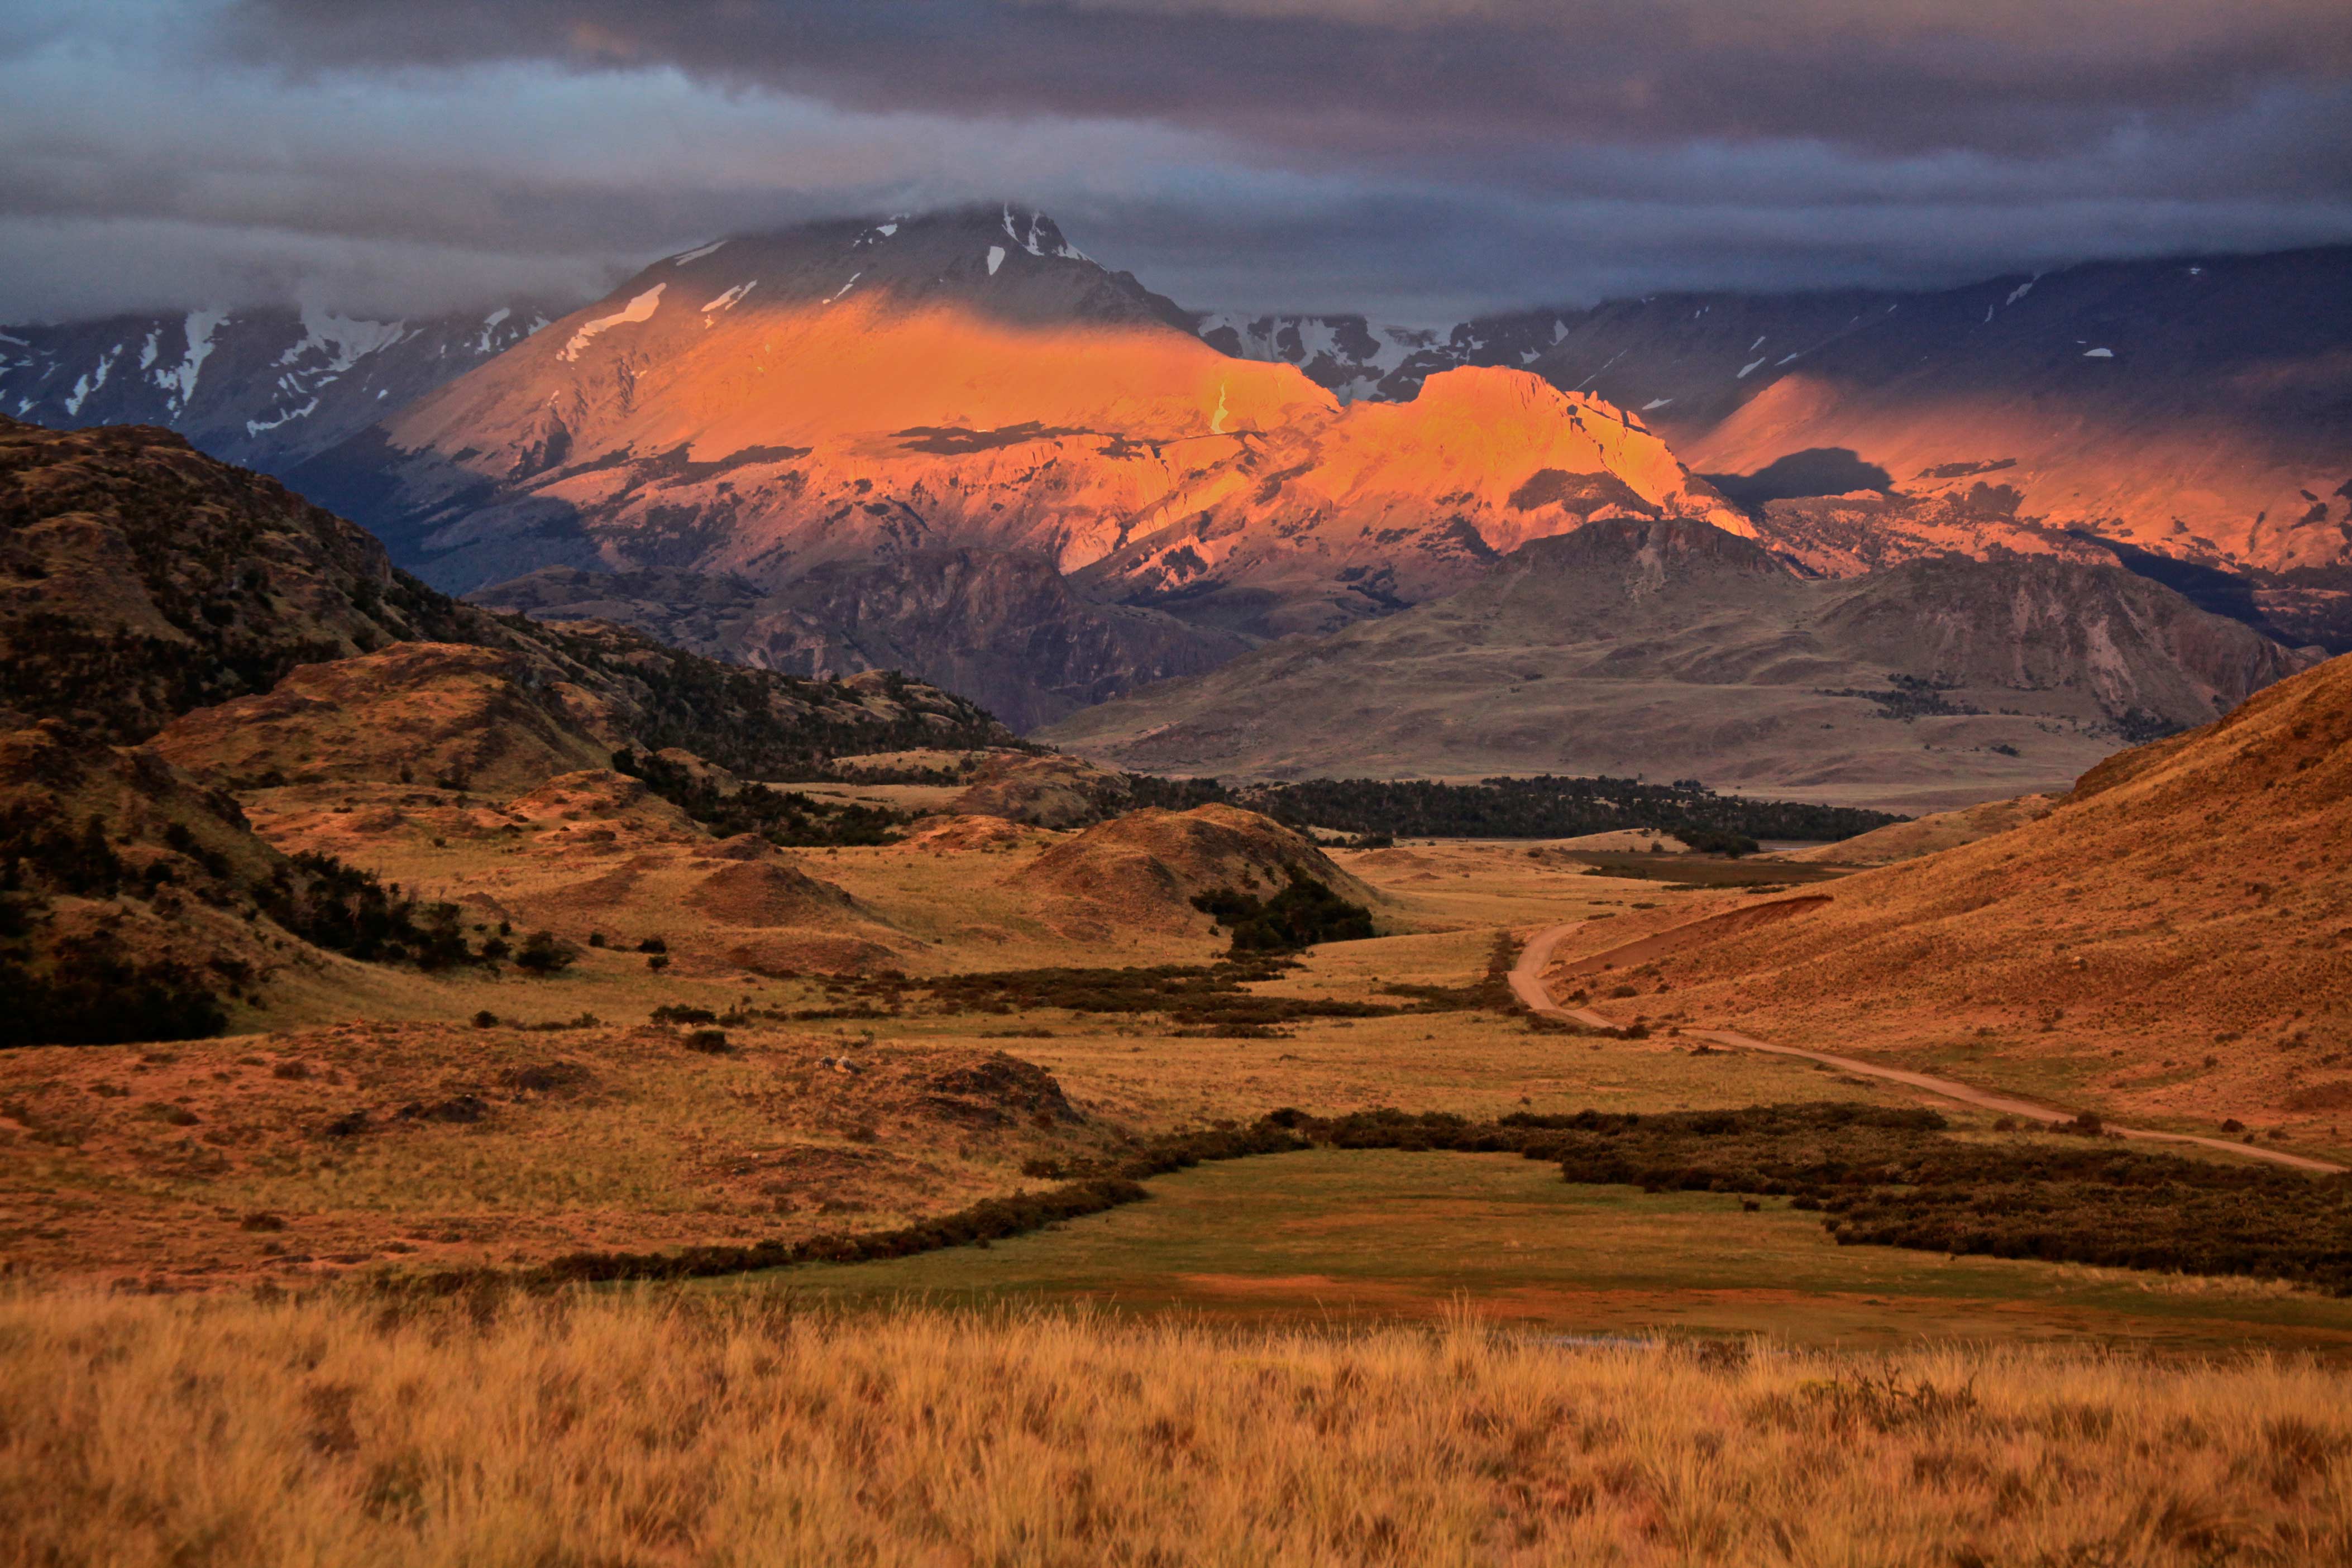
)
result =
(321, 1238)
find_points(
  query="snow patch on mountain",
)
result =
(255, 426)
(640, 308)
(345, 341)
(199, 329)
(727, 301)
(90, 381)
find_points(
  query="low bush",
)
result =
(543, 952)
(1299, 916)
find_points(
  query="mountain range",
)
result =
(266, 388)
(954, 443)
(853, 392)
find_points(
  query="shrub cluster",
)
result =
(91, 991)
(350, 911)
(94, 995)
(1193, 996)
(785, 817)
(1299, 916)
(1546, 807)
(1899, 1178)
(1909, 697)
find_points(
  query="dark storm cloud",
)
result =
(1346, 77)
(1417, 158)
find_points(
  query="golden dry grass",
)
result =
(651, 1428)
(210, 1162)
(2173, 945)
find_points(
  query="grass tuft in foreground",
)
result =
(660, 1426)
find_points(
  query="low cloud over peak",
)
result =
(1418, 160)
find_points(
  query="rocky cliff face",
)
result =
(1003, 627)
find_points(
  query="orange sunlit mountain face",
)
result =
(759, 431)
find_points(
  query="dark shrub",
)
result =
(96, 996)
(1299, 916)
(1716, 841)
(543, 952)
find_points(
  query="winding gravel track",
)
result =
(1526, 984)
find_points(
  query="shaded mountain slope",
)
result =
(1675, 649)
(2180, 927)
(1003, 627)
(268, 388)
(137, 904)
(139, 580)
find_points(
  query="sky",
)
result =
(1419, 160)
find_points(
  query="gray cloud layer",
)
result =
(1420, 159)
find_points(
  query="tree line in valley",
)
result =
(1543, 807)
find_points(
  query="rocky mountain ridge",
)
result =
(267, 388)
(139, 580)
(1668, 648)
(1001, 627)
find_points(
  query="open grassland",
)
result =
(944, 900)
(426, 1146)
(656, 1427)
(452, 1145)
(1365, 1236)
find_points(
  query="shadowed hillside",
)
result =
(1675, 649)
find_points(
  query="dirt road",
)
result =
(1526, 984)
